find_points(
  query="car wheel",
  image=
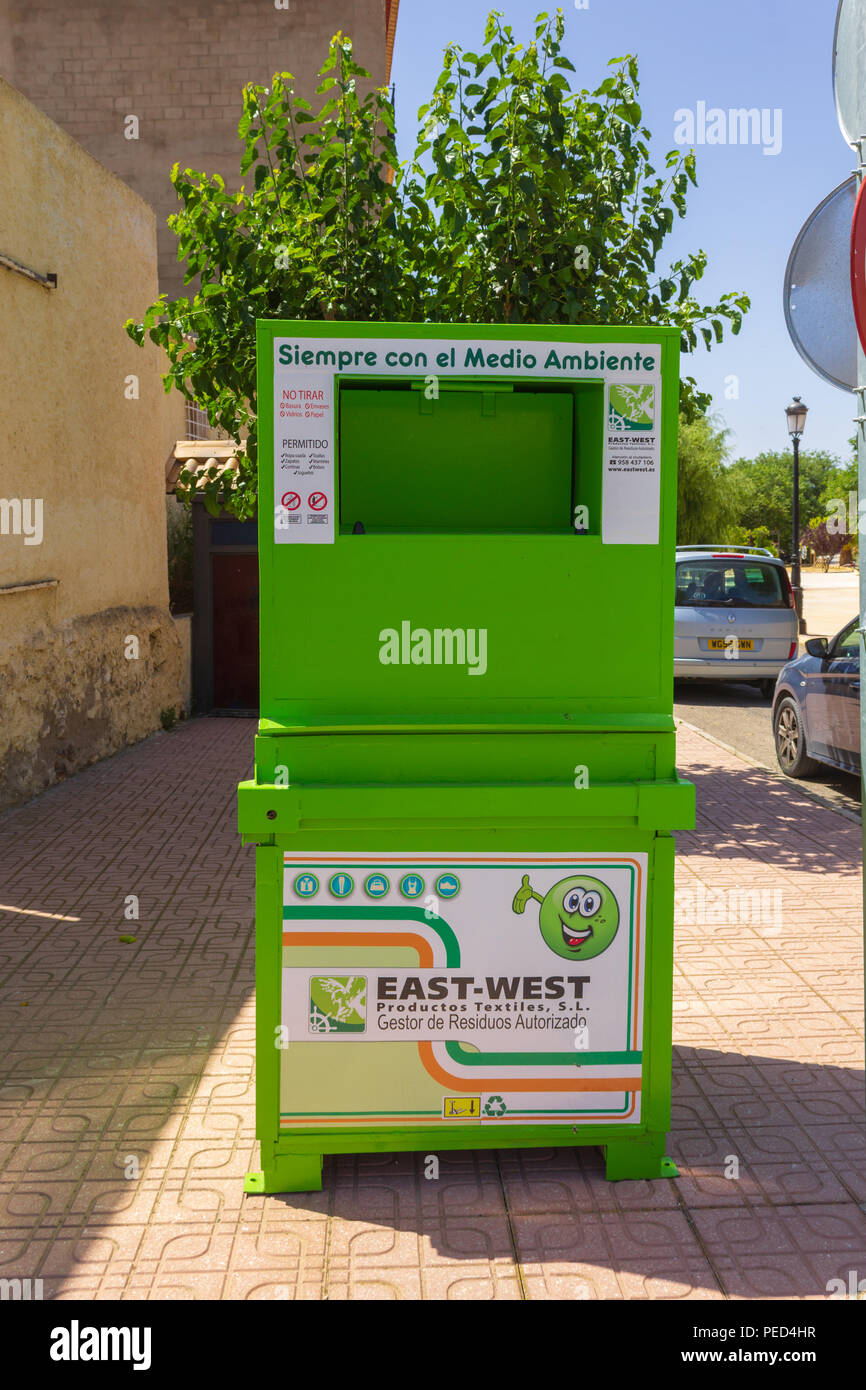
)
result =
(790, 739)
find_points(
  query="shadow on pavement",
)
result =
(740, 716)
(772, 1163)
(746, 813)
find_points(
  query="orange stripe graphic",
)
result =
(353, 938)
(493, 1083)
(425, 1049)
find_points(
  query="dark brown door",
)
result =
(236, 631)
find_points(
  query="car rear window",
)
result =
(730, 584)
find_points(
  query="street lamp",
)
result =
(796, 416)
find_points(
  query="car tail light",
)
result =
(791, 603)
(793, 652)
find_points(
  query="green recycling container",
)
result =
(465, 783)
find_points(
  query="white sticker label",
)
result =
(632, 455)
(303, 457)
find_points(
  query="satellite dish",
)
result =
(849, 69)
(819, 312)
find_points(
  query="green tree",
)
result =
(753, 535)
(841, 483)
(705, 510)
(525, 201)
(763, 490)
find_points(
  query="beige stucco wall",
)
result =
(183, 626)
(93, 457)
(179, 69)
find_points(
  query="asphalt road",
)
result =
(739, 716)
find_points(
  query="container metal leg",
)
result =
(638, 1157)
(286, 1173)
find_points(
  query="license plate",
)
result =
(719, 644)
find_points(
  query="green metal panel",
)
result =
(264, 810)
(460, 462)
(573, 626)
(466, 757)
(543, 753)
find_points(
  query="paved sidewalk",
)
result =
(829, 601)
(138, 1057)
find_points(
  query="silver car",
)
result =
(735, 618)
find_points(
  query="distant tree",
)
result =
(763, 490)
(753, 535)
(839, 498)
(842, 479)
(824, 541)
(705, 510)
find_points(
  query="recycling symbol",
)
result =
(495, 1106)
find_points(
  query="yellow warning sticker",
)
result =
(461, 1107)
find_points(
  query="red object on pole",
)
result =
(858, 264)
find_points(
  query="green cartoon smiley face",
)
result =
(578, 917)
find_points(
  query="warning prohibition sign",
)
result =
(317, 501)
(291, 501)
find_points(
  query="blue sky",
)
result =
(748, 206)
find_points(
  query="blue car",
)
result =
(816, 706)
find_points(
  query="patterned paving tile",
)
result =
(127, 1087)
